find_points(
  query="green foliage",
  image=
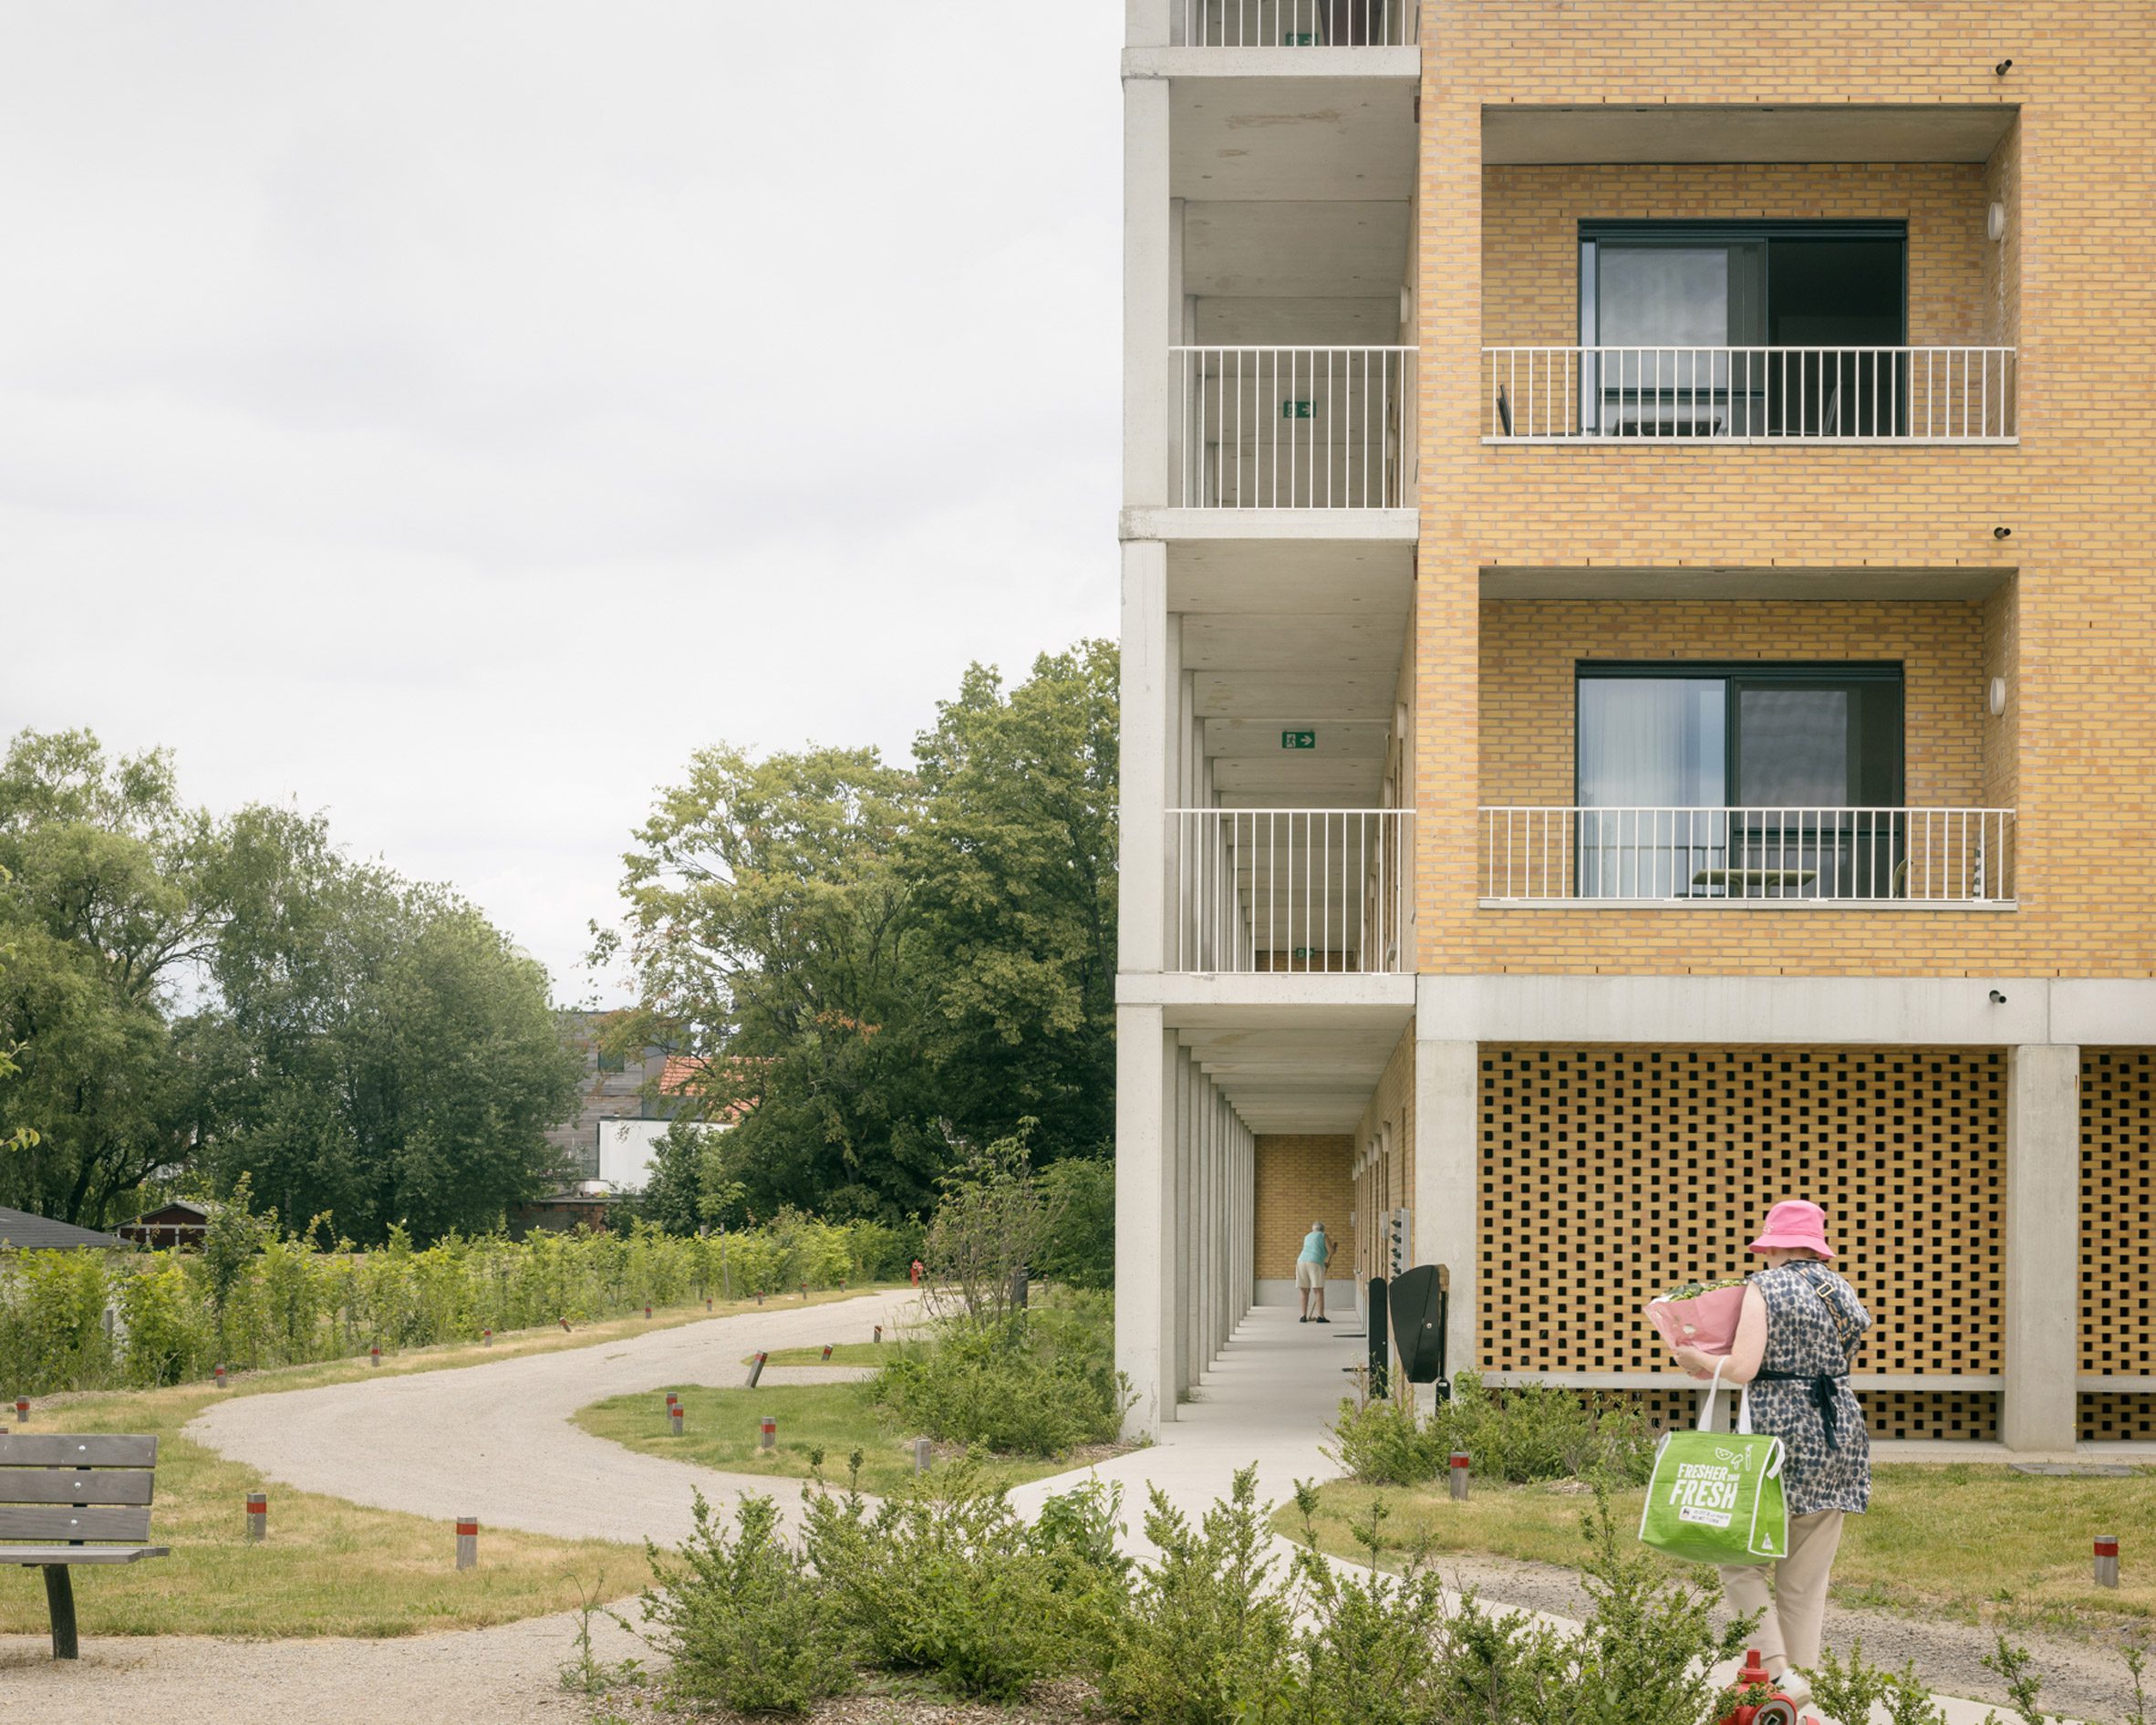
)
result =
(1038, 1384)
(742, 1619)
(1372, 1645)
(882, 967)
(1522, 1433)
(1079, 1250)
(254, 1298)
(944, 1578)
(1205, 1634)
(1847, 1693)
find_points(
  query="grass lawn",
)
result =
(328, 1567)
(843, 1354)
(1959, 1541)
(720, 1429)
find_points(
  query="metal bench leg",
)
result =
(59, 1597)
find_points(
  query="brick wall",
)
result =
(1385, 1151)
(2072, 281)
(1301, 1180)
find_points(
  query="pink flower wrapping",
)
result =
(1706, 1321)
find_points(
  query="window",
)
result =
(1744, 328)
(1755, 780)
(610, 1059)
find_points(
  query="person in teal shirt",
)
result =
(1310, 1274)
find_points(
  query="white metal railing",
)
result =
(1299, 24)
(1830, 395)
(1692, 856)
(1291, 889)
(1295, 428)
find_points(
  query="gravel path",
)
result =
(495, 1439)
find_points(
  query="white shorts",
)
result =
(1310, 1276)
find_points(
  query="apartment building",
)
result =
(1638, 666)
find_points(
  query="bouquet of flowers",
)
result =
(1701, 1315)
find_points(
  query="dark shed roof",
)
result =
(27, 1232)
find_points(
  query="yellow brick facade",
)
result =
(1384, 1157)
(1301, 1179)
(2072, 615)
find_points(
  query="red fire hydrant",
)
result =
(1776, 1709)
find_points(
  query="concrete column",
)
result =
(1144, 1214)
(1201, 1239)
(1151, 680)
(1152, 297)
(1185, 1237)
(2038, 1409)
(1447, 1092)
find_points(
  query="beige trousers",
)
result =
(1788, 1635)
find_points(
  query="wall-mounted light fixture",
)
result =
(2002, 533)
(1995, 696)
(1995, 221)
(1997, 999)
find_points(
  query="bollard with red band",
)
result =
(221, 1377)
(706, 1302)
(804, 1290)
(647, 1308)
(258, 1516)
(374, 1355)
(1459, 1476)
(467, 1542)
(768, 1438)
(880, 1332)
(828, 1353)
(756, 1368)
(22, 1410)
(674, 1417)
(759, 1299)
(2107, 1559)
(565, 1326)
(487, 1338)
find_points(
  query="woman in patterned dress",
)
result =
(1800, 1325)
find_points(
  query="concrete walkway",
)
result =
(495, 1439)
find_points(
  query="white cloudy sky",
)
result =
(448, 414)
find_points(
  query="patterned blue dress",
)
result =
(1814, 1325)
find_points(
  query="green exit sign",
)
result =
(1298, 739)
(1301, 40)
(1298, 409)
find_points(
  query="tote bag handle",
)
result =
(1706, 1404)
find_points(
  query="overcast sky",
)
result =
(449, 415)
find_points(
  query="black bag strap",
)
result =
(1845, 1328)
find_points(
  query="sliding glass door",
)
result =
(1739, 781)
(1742, 328)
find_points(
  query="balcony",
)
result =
(1872, 395)
(1901, 858)
(1298, 24)
(1294, 428)
(1305, 891)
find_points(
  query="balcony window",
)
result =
(1742, 329)
(1751, 780)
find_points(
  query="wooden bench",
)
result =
(67, 1500)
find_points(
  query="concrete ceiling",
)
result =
(1305, 251)
(1288, 1070)
(1294, 634)
(1290, 139)
(1687, 132)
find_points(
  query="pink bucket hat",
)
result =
(1794, 1222)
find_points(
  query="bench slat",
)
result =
(75, 1485)
(60, 1522)
(37, 1556)
(20, 1448)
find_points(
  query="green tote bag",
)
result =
(1717, 1497)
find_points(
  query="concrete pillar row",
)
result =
(1145, 1217)
(2037, 1407)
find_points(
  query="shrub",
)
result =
(1079, 1247)
(1205, 1635)
(743, 1620)
(944, 1578)
(1037, 1384)
(1522, 1433)
(1369, 1651)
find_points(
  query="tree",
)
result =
(106, 908)
(768, 921)
(1013, 861)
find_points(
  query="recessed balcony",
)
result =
(1814, 858)
(1301, 891)
(1294, 428)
